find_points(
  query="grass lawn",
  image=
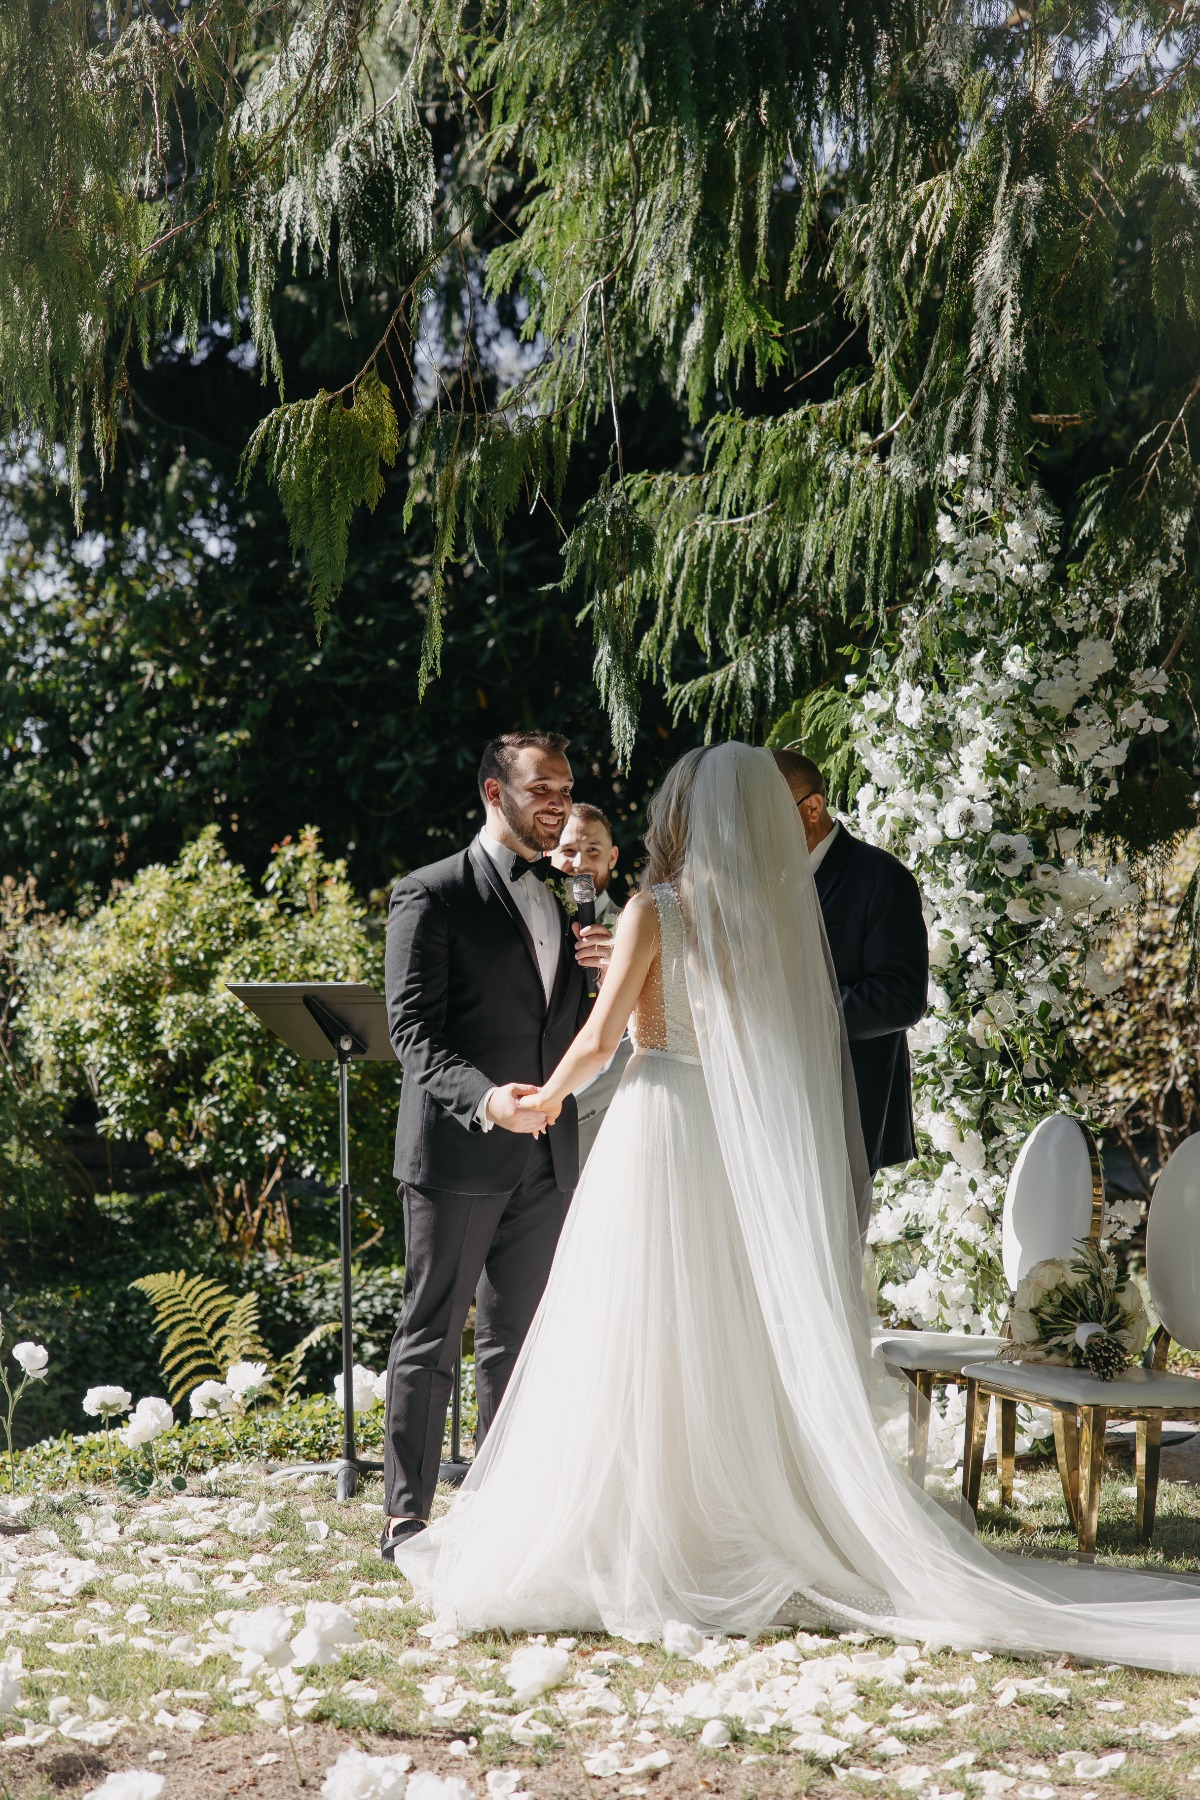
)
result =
(119, 1613)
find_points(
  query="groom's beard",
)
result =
(525, 827)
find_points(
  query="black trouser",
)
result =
(498, 1247)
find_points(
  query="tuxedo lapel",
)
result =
(483, 863)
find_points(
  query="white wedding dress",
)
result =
(695, 1428)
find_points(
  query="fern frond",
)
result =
(204, 1327)
(239, 1340)
(286, 1375)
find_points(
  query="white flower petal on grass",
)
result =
(33, 1358)
(149, 1419)
(681, 1640)
(128, 1784)
(107, 1402)
(327, 1631)
(211, 1399)
(358, 1776)
(715, 1735)
(505, 1784)
(535, 1670)
(246, 1379)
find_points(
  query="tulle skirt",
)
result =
(642, 1466)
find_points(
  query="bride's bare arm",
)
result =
(634, 950)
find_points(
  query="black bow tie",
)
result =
(542, 867)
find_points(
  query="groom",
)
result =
(880, 950)
(484, 982)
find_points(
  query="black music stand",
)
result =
(321, 1020)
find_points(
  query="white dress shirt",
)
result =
(539, 909)
(817, 857)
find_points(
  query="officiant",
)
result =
(880, 948)
(586, 848)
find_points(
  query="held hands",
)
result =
(541, 1107)
(594, 947)
(512, 1109)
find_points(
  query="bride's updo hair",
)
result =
(667, 821)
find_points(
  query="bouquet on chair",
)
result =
(1078, 1311)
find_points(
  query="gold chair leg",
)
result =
(1066, 1451)
(919, 1402)
(1006, 1450)
(1149, 1449)
(974, 1438)
(1092, 1421)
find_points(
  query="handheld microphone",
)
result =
(583, 892)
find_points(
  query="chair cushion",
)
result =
(932, 1351)
(1078, 1387)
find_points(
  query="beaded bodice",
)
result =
(662, 1019)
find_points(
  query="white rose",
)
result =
(365, 1389)
(327, 1631)
(1011, 850)
(10, 1688)
(246, 1379)
(535, 1670)
(681, 1640)
(107, 1402)
(265, 1634)
(128, 1784)
(150, 1418)
(33, 1358)
(425, 1785)
(210, 1399)
(358, 1776)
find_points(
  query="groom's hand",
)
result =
(504, 1108)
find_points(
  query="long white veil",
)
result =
(769, 1029)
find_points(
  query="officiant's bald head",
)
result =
(807, 786)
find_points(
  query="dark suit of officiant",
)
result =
(468, 1011)
(880, 948)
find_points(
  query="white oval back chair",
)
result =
(1055, 1195)
(1081, 1403)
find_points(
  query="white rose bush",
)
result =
(33, 1360)
(992, 726)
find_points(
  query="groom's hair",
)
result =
(500, 755)
(794, 767)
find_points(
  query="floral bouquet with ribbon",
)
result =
(1079, 1312)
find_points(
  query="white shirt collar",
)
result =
(500, 853)
(817, 857)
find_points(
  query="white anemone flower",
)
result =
(149, 1419)
(356, 1775)
(534, 1671)
(964, 817)
(33, 1358)
(327, 1631)
(246, 1380)
(107, 1402)
(211, 1399)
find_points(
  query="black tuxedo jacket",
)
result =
(880, 947)
(467, 1012)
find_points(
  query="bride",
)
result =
(694, 1430)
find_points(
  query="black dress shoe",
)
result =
(396, 1532)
